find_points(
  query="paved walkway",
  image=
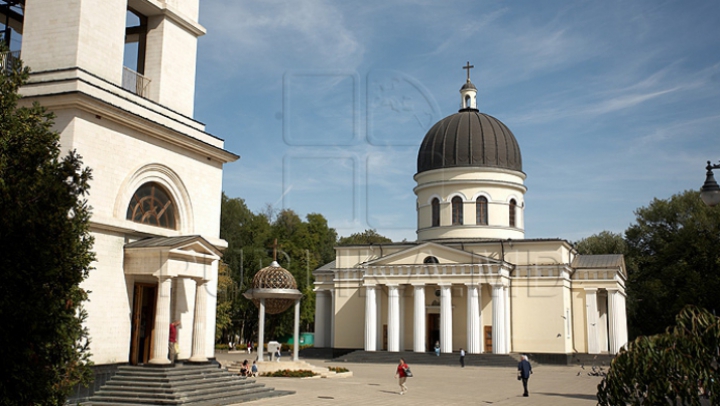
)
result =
(436, 385)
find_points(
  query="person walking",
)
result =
(437, 348)
(401, 375)
(524, 371)
(462, 358)
(173, 347)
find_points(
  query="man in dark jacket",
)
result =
(524, 371)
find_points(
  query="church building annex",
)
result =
(471, 279)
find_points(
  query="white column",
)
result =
(320, 320)
(401, 294)
(199, 322)
(592, 320)
(333, 300)
(378, 319)
(508, 324)
(473, 319)
(446, 319)
(261, 331)
(296, 331)
(498, 319)
(419, 318)
(603, 320)
(618, 320)
(161, 332)
(393, 319)
(370, 319)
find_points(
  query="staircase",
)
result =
(471, 360)
(197, 385)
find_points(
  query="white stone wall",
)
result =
(110, 306)
(85, 33)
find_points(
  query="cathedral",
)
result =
(471, 280)
(120, 77)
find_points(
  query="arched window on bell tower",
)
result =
(435, 204)
(513, 214)
(481, 211)
(457, 211)
(152, 205)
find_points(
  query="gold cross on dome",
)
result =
(275, 247)
(468, 67)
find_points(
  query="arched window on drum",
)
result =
(513, 213)
(435, 204)
(481, 211)
(457, 211)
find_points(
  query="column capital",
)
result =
(444, 284)
(417, 285)
(473, 284)
(590, 289)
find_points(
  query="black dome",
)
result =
(469, 138)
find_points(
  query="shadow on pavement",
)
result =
(583, 396)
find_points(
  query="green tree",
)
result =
(674, 261)
(669, 368)
(364, 238)
(44, 232)
(605, 242)
(303, 247)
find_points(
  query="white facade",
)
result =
(135, 139)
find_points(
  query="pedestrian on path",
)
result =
(462, 358)
(437, 348)
(401, 374)
(524, 371)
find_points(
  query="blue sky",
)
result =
(613, 103)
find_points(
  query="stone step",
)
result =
(491, 360)
(179, 385)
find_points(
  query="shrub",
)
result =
(286, 373)
(338, 369)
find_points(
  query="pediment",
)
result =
(190, 246)
(445, 255)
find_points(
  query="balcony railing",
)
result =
(135, 82)
(8, 60)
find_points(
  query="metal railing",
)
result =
(8, 60)
(135, 82)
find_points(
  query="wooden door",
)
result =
(488, 339)
(143, 323)
(384, 344)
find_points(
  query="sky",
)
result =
(613, 103)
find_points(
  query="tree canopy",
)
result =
(604, 242)
(675, 367)
(44, 232)
(366, 237)
(674, 261)
(304, 245)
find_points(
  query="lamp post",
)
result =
(710, 191)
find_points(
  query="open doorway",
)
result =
(433, 331)
(143, 323)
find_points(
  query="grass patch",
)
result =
(286, 373)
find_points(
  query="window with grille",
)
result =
(152, 205)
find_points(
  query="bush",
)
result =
(286, 373)
(338, 369)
